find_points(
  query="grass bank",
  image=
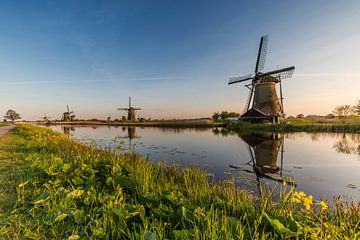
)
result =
(53, 187)
(296, 126)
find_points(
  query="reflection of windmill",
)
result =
(68, 116)
(266, 106)
(68, 129)
(263, 151)
(131, 135)
(131, 111)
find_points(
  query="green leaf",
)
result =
(42, 198)
(279, 227)
(61, 217)
(187, 214)
(74, 237)
(66, 167)
(77, 180)
(79, 216)
(75, 194)
(149, 236)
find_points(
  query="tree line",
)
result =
(347, 110)
(224, 115)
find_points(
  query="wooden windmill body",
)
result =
(265, 104)
(68, 116)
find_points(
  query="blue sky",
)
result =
(173, 57)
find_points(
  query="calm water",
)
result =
(321, 164)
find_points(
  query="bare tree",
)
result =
(357, 107)
(344, 111)
(12, 115)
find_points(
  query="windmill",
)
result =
(266, 105)
(131, 111)
(68, 116)
(45, 118)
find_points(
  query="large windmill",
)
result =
(68, 116)
(131, 111)
(266, 105)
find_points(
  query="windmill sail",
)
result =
(260, 62)
(281, 73)
(233, 80)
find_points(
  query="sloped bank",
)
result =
(64, 190)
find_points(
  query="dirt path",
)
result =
(4, 130)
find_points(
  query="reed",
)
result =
(244, 127)
(56, 188)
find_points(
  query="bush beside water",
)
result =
(65, 190)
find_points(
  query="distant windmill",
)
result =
(68, 116)
(131, 111)
(45, 118)
(266, 106)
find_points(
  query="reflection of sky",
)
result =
(314, 164)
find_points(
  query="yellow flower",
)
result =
(295, 200)
(308, 201)
(284, 183)
(298, 197)
(323, 205)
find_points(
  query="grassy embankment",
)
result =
(53, 187)
(301, 125)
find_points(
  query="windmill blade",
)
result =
(67, 106)
(136, 108)
(125, 109)
(281, 73)
(233, 80)
(260, 61)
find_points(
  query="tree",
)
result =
(215, 116)
(225, 114)
(343, 111)
(12, 115)
(300, 115)
(357, 107)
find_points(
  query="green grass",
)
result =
(55, 188)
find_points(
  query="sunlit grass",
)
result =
(53, 187)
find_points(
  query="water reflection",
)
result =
(348, 144)
(68, 130)
(131, 134)
(263, 151)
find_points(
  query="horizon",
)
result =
(173, 59)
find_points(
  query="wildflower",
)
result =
(284, 183)
(323, 205)
(308, 201)
(298, 197)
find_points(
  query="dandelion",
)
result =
(324, 205)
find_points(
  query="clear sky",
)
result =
(173, 57)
